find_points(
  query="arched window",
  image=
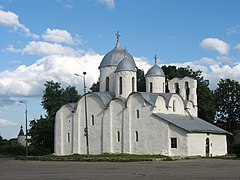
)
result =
(174, 106)
(120, 85)
(107, 83)
(136, 136)
(92, 120)
(137, 113)
(118, 136)
(177, 90)
(151, 87)
(133, 84)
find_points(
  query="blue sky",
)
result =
(53, 39)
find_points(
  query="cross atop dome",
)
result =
(125, 51)
(155, 59)
(118, 36)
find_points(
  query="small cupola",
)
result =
(155, 79)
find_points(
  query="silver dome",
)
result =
(127, 64)
(113, 57)
(155, 71)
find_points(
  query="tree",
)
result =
(42, 136)
(42, 130)
(54, 96)
(95, 87)
(141, 84)
(227, 103)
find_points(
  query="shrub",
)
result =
(12, 149)
(236, 149)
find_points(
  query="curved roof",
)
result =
(127, 64)
(155, 70)
(113, 57)
(106, 97)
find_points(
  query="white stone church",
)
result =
(122, 120)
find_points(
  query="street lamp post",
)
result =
(26, 118)
(85, 103)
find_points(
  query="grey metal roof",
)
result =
(127, 64)
(106, 97)
(155, 70)
(113, 57)
(191, 125)
(152, 97)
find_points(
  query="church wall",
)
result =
(58, 133)
(181, 136)
(107, 72)
(147, 133)
(95, 112)
(126, 83)
(158, 84)
(117, 107)
(107, 131)
(176, 105)
(63, 137)
(160, 105)
(218, 144)
(197, 144)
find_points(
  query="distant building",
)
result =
(122, 120)
(21, 138)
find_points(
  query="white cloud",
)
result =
(215, 44)
(30, 80)
(4, 122)
(109, 3)
(10, 19)
(60, 36)
(44, 48)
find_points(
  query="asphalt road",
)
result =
(181, 169)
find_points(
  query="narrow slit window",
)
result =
(92, 120)
(133, 84)
(107, 83)
(151, 87)
(137, 113)
(187, 90)
(136, 136)
(120, 85)
(174, 106)
(68, 137)
(118, 136)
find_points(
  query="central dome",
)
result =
(113, 57)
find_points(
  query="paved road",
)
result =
(181, 169)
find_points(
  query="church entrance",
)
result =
(207, 147)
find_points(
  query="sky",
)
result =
(53, 39)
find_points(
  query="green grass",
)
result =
(99, 158)
(228, 157)
(7, 155)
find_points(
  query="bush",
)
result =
(12, 149)
(236, 149)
